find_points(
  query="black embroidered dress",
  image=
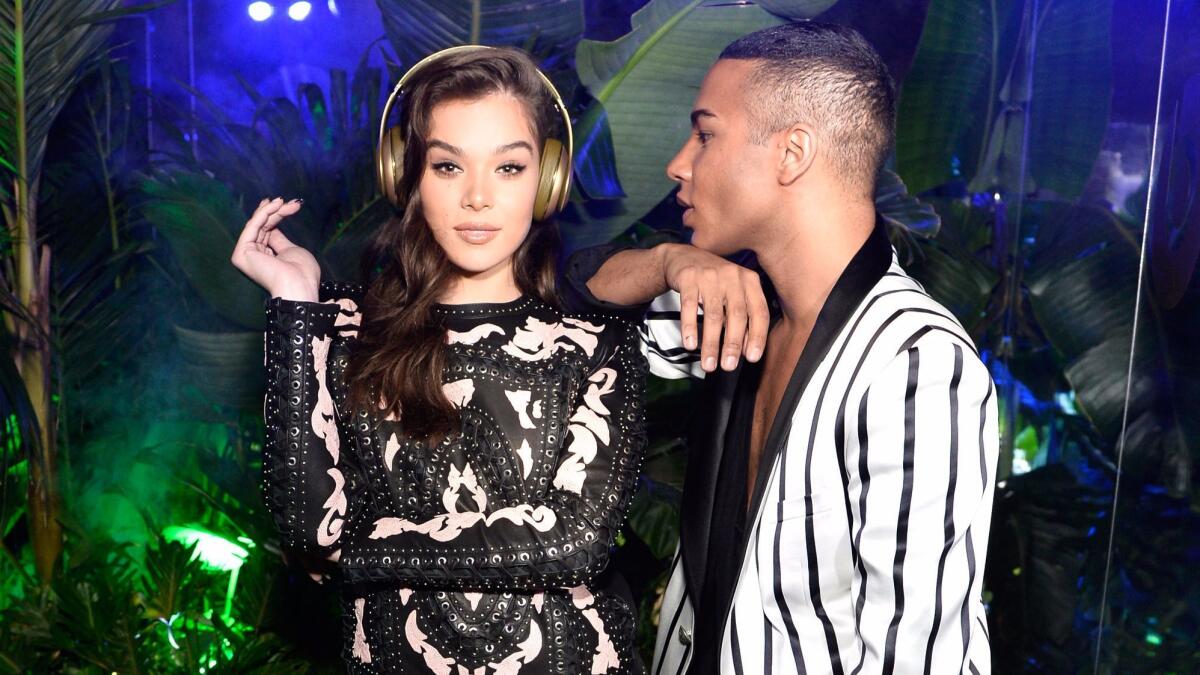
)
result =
(482, 555)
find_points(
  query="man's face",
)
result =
(724, 179)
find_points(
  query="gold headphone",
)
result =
(554, 178)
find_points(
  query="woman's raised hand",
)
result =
(271, 260)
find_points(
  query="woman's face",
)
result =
(480, 180)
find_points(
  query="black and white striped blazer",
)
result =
(868, 529)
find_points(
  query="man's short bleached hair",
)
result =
(827, 76)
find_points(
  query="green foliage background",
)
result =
(158, 345)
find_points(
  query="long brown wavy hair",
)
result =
(395, 365)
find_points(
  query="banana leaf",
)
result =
(1083, 282)
(647, 81)
(964, 64)
(417, 28)
(225, 367)
(796, 10)
(201, 220)
(902, 210)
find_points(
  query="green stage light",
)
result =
(215, 552)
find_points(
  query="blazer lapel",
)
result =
(863, 272)
(706, 448)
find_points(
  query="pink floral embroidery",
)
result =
(525, 454)
(463, 478)
(449, 525)
(474, 335)
(459, 392)
(588, 429)
(539, 340)
(473, 598)
(360, 649)
(348, 316)
(390, 450)
(331, 524)
(528, 650)
(605, 656)
(520, 403)
(434, 661)
(324, 425)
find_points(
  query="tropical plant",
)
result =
(46, 47)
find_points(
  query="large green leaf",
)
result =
(1072, 93)
(226, 367)
(417, 28)
(201, 219)
(646, 81)
(900, 209)
(43, 54)
(796, 10)
(946, 89)
(961, 114)
(1083, 282)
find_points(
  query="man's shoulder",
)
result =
(899, 313)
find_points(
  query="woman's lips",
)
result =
(477, 234)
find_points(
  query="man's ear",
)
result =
(799, 153)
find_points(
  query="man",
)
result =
(838, 495)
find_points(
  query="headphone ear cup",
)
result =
(389, 165)
(553, 180)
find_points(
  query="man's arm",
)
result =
(729, 297)
(921, 450)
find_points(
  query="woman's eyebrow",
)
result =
(455, 150)
(513, 146)
(452, 149)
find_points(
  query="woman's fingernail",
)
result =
(730, 362)
(689, 341)
(710, 363)
(754, 354)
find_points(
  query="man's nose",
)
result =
(679, 169)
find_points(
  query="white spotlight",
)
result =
(299, 11)
(260, 11)
(333, 8)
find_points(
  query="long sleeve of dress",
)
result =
(559, 536)
(307, 474)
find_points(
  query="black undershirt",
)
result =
(727, 526)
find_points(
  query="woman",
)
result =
(463, 449)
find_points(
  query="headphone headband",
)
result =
(560, 192)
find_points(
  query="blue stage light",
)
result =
(260, 11)
(299, 11)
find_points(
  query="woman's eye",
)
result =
(445, 168)
(703, 137)
(511, 169)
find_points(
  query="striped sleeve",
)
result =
(920, 456)
(662, 341)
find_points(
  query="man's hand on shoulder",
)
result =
(735, 315)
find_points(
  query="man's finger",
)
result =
(714, 317)
(759, 318)
(735, 327)
(689, 308)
